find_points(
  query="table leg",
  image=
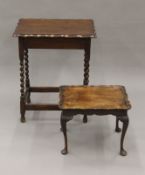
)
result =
(86, 72)
(28, 100)
(86, 66)
(22, 90)
(64, 119)
(125, 121)
(85, 119)
(117, 129)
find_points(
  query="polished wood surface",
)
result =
(93, 97)
(90, 100)
(68, 34)
(72, 28)
(50, 34)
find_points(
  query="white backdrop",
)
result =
(117, 57)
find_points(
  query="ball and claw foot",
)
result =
(123, 152)
(64, 151)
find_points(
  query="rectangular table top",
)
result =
(111, 97)
(71, 28)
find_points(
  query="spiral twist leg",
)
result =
(86, 73)
(27, 75)
(22, 91)
(86, 66)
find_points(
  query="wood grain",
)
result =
(94, 97)
(72, 28)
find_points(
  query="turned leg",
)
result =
(117, 129)
(64, 119)
(27, 80)
(125, 121)
(86, 72)
(22, 96)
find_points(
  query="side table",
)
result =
(90, 100)
(50, 34)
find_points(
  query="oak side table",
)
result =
(50, 34)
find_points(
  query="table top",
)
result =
(71, 28)
(94, 97)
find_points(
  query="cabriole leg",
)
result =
(64, 119)
(85, 119)
(125, 121)
(117, 129)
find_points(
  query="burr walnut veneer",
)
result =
(50, 34)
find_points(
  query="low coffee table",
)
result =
(50, 34)
(99, 100)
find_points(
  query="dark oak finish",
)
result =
(38, 107)
(50, 34)
(70, 28)
(56, 43)
(44, 89)
(86, 71)
(99, 100)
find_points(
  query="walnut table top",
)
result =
(94, 97)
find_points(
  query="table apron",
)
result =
(56, 43)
